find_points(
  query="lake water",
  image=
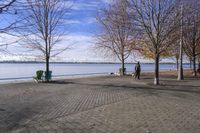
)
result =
(13, 71)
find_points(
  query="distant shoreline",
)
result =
(41, 62)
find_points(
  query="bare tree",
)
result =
(44, 27)
(192, 32)
(157, 21)
(116, 36)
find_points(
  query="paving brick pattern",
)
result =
(100, 105)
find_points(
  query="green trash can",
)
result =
(48, 76)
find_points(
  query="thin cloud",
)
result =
(72, 22)
(85, 6)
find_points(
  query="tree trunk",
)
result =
(47, 69)
(177, 64)
(123, 68)
(194, 66)
(156, 77)
(47, 60)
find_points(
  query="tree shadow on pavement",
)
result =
(176, 88)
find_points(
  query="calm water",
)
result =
(27, 70)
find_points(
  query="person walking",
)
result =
(137, 70)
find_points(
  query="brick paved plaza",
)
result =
(101, 105)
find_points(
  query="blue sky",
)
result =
(81, 18)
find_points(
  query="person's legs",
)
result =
(138, 75)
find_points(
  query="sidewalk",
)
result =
(102, 105)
